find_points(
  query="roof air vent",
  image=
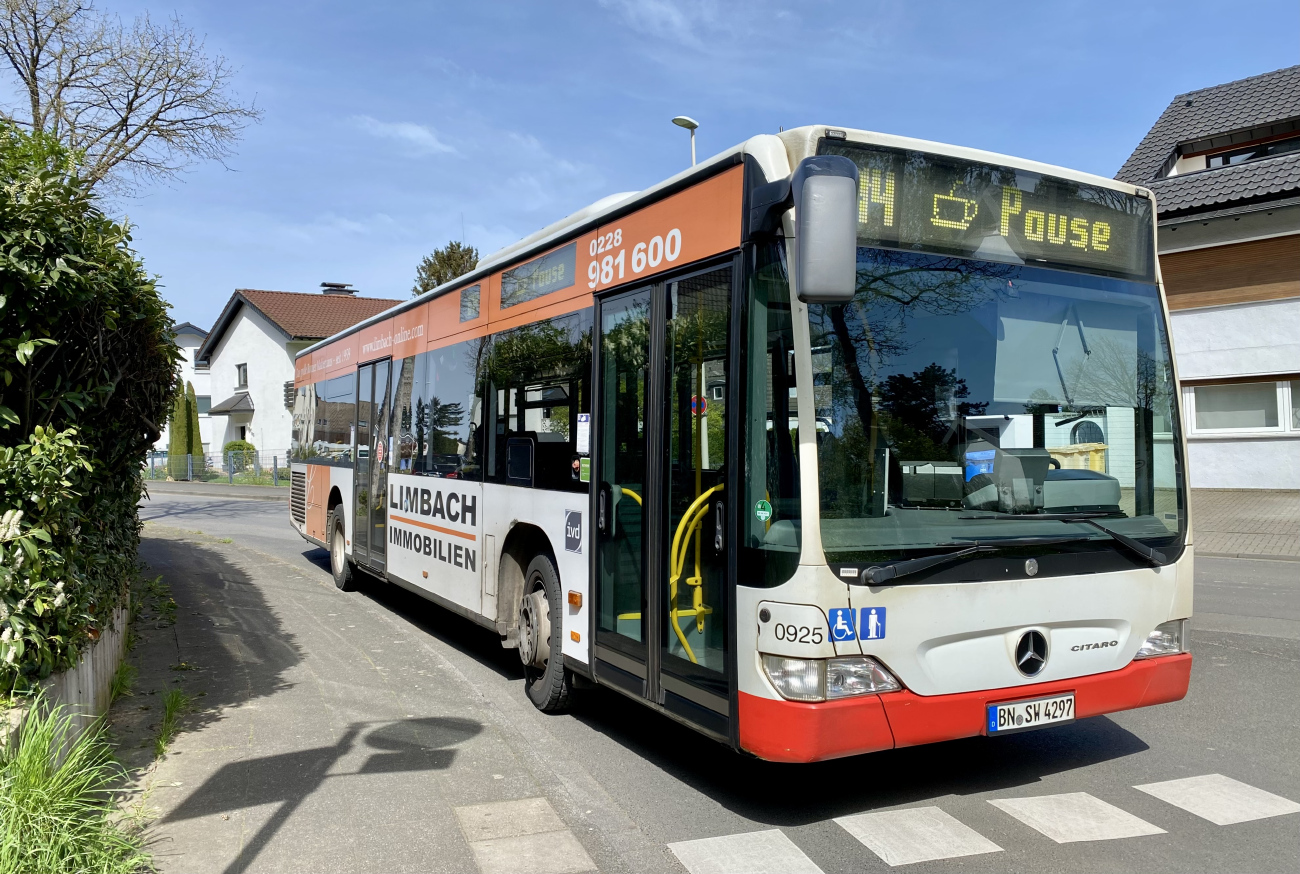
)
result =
(337, 288)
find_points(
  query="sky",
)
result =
(390, 129)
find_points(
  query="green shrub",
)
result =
(87, 371)
(240, 455)
(56, 813)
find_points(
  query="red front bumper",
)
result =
(787, 731)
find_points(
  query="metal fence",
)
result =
(236, 468)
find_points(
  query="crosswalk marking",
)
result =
(1075, 816)
(764, 852)
(917, 834)
(1222, 800)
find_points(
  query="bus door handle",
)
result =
(602, 508)
(718, 526)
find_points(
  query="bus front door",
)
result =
(662, 599)
(370, 465)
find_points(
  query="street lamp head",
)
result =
(686, 121)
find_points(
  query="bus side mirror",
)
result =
(825, 191)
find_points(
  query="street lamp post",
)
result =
(690, 124)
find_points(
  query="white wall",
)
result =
(189, 344)
(254, 341)
(1253, 339)
(1245, 463)
(1237, 340)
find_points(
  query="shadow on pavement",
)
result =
(289, 778)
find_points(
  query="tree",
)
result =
(136, 103)
(177, 439)
(195, 445)
(443, 265)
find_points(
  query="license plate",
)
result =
(1024, 715)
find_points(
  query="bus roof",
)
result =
(777, 154)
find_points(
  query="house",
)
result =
(188, 338)
(250, 353)
(1224, 163)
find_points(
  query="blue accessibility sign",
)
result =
(873, 623)
(842, 623)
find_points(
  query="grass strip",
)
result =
(174, 703)
(56, 802)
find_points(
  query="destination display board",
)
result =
(915, 200)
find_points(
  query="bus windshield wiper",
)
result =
(878, 574)
(1137, 547)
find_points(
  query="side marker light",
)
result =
(575, 637)
(575, 600)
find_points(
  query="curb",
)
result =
(1249, 555)
(217, 490)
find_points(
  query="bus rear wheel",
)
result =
(344, 578)
(545, 679)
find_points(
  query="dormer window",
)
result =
(1253, 153)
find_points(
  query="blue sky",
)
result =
(388, 126)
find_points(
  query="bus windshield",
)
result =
(958, 399)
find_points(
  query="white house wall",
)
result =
(253, 340)
(189, 345)
(1240, 340)
(1254, 339)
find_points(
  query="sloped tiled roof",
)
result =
(314, 316)
(1211, 112)
(299, 316)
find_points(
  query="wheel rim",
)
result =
(535, 629)
(336, 552)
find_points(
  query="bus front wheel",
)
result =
(545, 679)
(343, 577)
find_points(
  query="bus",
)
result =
(836, 442)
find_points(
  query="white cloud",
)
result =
(670, 19)
(418, 137)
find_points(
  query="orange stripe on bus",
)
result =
(437, 528)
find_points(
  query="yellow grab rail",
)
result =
(688, 525)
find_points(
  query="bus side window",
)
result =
(539, 384)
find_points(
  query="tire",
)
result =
(340, 567)
(545, 679)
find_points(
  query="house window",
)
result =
(1253, 153)
(1087, 432)
(1244, 408)
(204, 402)
(241, 376)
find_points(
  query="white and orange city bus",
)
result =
(834, 443)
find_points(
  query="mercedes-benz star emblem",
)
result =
(1031, 566)
(1031, 653)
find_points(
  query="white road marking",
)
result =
(524, 836)
(917, 834)
(1220, 799)
(765, 852)
(1075, 816)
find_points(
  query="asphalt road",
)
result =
(629, 783)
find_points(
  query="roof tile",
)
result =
(314, 316)
(1222, 185)
(1258, 100)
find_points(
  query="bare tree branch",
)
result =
(139, 104)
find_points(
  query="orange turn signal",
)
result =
(575, 600)
(577, 638)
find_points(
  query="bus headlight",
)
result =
(822, 679)
(797, 679)
(1169, 638)
(859, 675)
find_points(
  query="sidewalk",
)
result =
(330, 733)
(1246, 523)
(219, 490)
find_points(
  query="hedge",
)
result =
(88, 371)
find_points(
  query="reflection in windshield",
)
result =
(949, 385)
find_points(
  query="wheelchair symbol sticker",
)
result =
(873, 623)
(842, 623)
